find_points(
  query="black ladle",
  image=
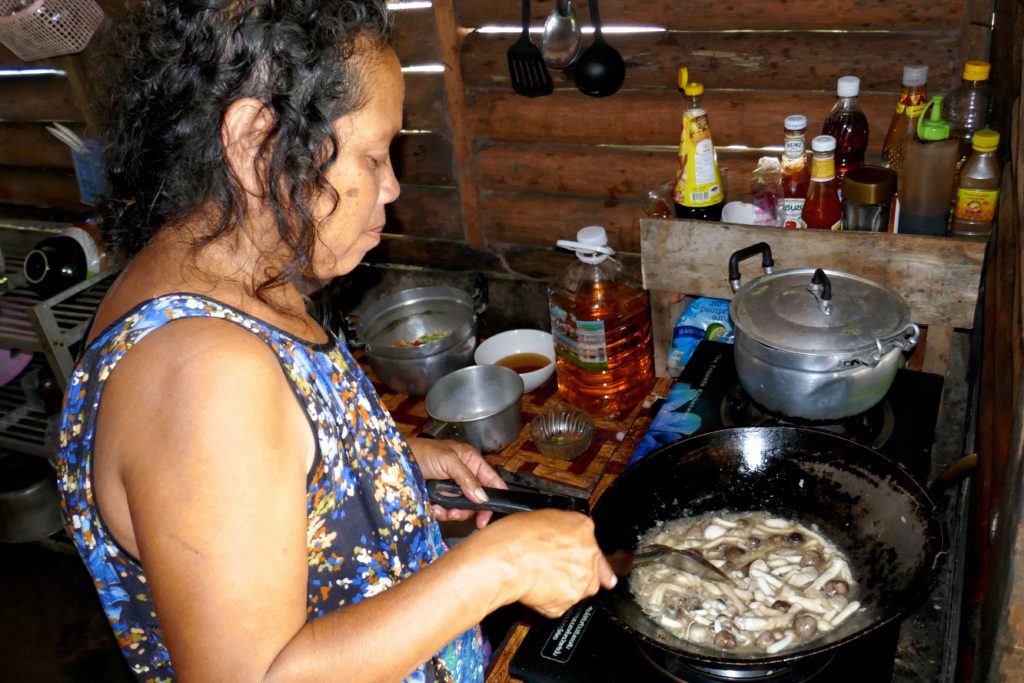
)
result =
(600, 70)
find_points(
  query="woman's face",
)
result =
(362, 174)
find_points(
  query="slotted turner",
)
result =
(526, 65)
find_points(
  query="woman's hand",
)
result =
(551, 559)
(444, 459)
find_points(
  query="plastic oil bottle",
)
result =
(848, 125)
(601, 324)
(967, 105)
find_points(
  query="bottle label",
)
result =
(794, 145)
(579, 342)
(699, 183)
(975, 205)
(914, 111)
(823, 169)
(792, 208)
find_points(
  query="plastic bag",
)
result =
(766, 191)
(704, 318)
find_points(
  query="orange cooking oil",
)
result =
(600, 321)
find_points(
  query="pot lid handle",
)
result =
(821, 288)
(767, 263)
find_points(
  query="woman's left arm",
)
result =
(445, 459)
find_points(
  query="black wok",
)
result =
(863, 502)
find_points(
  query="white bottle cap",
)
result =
(591, 245)
(848, 86)
(915, 74)
(796, 122)
(823, 143)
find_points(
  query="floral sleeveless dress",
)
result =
(369, 523)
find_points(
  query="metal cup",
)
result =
(481, 405)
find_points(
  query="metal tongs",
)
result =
(683, 560)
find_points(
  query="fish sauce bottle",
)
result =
(977, 192)
(601, 324)
(698, 193)
(848, 125)
(926, 184)
(913, 99)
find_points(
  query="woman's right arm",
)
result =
(213, 460)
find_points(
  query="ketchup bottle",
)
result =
(795, 177)
(823, 210)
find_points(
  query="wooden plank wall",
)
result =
(505, 176)
(992, 646)
(546, 166)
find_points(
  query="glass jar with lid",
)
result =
(867, 198)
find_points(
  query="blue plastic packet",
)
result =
(704, 318)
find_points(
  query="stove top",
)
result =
(708, 396)
(585, 645)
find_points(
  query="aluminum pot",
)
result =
(29, 502)
(388, 326)
(816, 345)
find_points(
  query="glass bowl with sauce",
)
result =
(562, 433)
(531, 353)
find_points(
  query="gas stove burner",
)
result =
(872, 428)
(676, 670)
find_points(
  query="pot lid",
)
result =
(790, 312)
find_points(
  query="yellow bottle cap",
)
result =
(976, 70)
(694, 89)
(683, 77)
(985, 141)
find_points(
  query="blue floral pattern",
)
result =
(369, 524)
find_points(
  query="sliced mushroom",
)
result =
(836, 587)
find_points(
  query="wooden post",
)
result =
(450, 38)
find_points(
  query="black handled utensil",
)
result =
(526, 65)
(600, 70)
(447, 494)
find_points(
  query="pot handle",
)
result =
(481, 294)
(436, 429)
(350, 330)
(767, 263)
(903, 340)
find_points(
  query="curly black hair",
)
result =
(179, 66)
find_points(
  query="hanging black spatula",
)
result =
(526, 65)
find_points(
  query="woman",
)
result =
(245, 504)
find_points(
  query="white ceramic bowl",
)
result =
(507, 347)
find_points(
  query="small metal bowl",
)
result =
(562, 433)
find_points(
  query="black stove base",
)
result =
(586, 646)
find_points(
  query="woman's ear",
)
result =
(243, 130)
